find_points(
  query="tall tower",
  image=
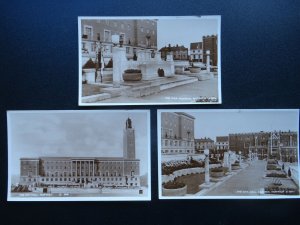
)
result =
(128, 141)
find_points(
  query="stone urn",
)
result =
(132, 75)
(217, 172)
(173, 188)
(195, 69)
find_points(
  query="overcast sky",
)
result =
(75, 134)
(183, 31)
(219, 123)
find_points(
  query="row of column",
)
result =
(78, 163)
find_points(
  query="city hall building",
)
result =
(80, 171)
(177, 133)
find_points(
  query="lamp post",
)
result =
(206, 153)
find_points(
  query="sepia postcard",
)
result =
(228, 154)
(79, 155)
(149, 60)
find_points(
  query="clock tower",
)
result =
(128, 141)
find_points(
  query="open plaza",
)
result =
(237, 165)
(129, 61)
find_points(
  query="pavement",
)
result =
(184, 94)
(187, 93)
(247, 182)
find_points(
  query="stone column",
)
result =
(225, 159)
(140, 55)
(147, 55)
(240, 157)
(93, 169)
(206, 153)
(80, 171)
(229, 160)
(119, 60)
(76, 166)
(89, 163)
(208, 61)
(158, 56)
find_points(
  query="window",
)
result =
(122, 37)
(107, 35)
(88, 30)
(93, 49)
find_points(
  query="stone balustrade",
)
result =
(183, 172)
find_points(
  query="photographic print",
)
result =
(149, 60)
(227, 154)
(79, 155)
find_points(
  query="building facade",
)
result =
(222, 143)
(196, 52)
(204, 143)
(210, 43)
(135, 34)
(280, 145)
(85, 171)
(178, 52)
(177, 133)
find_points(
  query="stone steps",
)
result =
(158, 85)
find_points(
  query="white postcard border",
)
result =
(50, 199)
(195, 197)
(80, 18)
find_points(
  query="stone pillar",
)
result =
(148, 55)
(240, 157)
(80, 171)
(93, 169)
(140, 55)
(119, 60)
(158, 56)
(225, 159)
(208, 61)
(229, 160)
(206, 152)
